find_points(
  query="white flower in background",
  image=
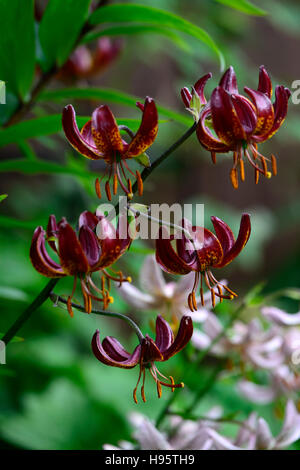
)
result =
(255, 433)
(185, 434)
(280, 317)
(169, 298)
(261, 348)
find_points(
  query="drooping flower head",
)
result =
(201, 253)
(112, 353)
(100, 138)
(240, 122)
(80, 254)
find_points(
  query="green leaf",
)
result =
(2, 197)
(107, 95)
(16, 339)
(59, 29)
(133, 13)
(46, 125)
(17, 45)
(130, 30)
(244, 6)
(144, 160)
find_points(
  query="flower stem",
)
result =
(38, 301)
(58, 299)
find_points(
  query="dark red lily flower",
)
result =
(81, 254)
(201, 253)
(84, 62)
(112, 353)
(100, 138)
(241, 123)
(195, 100)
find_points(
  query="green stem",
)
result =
(38, 301)
(58, 299)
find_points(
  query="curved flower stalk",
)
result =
(100, 138)
(203, 252)
(80, 254)
(85, 63)
(112, 353)
(240, 123)
(169, 298)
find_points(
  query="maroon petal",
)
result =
(183, 336)
(200, 85)
(167, 258)
(264, 111)
(52, 232)
(105, 132)
(225, 118)
(228, 81)
(164, 334)
(103, 356)
(186, 96)
(39, 257)
(242, 239)
(264, 83)
(114, 349)
(150, 352)
(89, 244)
(205, 136)
(224, 234)
(111, 241)
(87, 135)
(246, 113)
(89, 219)
(184, 245)
(73, 135)
(147, 131)
(282, 95)
(211, 252)
(72, 257)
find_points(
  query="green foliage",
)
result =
(17, 45)
(133, 13)
(244, 6)
(59, 29)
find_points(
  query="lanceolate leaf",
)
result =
(133, 13)
(17, 45)
(59, 29)
(133, 29)
(108, 95)
(243, 5)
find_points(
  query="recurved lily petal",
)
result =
(87, 135)
(183, 336)
(264, 83)
(72, 257)
(264, 111)
(205, 136)
(105, 131)
(89, 219)
(39, 257)
(211, 252)
(166, 256)
(229, 82)
(225, 118)
(105, 358)
(186, 96)
(147, 131)
(115, 349)
(74, 136)
(200, 85)
(224, 234)
(242, 239)
(164, 334)
(112, 243)
(89, 244)
(150, 352)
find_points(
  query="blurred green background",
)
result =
(53, 393)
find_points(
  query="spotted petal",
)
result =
(205, 136)
(242, 239)
(147, 131)
(105, 132)
(264, 111)
(74, 136)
